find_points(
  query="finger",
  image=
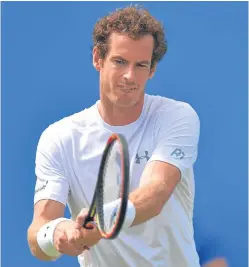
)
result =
(60, 241)
(70, 242)
(72, 249)
(90, 229)
(91, 225)
(91, 236)
(65, 247)
(82, 248)
(73, 235)
(80, 219)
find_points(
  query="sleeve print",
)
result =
(177, 140)
(51, 181)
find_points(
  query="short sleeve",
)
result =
(51, 181)
(177, 133)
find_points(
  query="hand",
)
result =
(91, 235)
(72, 239)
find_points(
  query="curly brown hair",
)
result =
(134, 21)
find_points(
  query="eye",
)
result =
(143, 66)
(119, 62)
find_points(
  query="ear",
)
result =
(96, 59)
(152, 72)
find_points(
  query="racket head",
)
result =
(113, 185)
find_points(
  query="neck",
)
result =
(118, 116)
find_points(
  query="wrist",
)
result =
(130, 215)
(45, 237)
(130, 212)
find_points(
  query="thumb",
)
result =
(80, 219)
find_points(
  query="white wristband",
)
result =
(45, 237)
(130, 215)
(130, 212)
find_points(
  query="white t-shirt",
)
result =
(67, 162)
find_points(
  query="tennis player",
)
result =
(163, 136)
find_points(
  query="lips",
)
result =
(124, 88)
(127, 91)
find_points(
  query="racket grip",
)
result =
(89, 223)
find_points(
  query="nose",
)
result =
(130, 74)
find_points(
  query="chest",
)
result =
(85, 153)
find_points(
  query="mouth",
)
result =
(126, 89)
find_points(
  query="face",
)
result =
(125, 69)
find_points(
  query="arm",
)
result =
(176, 141)
(51, 189)
(69, 237)
(51, 194)
(44, 211)
(157, 184)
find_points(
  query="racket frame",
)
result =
(96, 208)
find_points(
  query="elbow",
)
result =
(39, 254)
(157, 209)
(41, 257)
(159, 205)
(34, 247)
(160, 202)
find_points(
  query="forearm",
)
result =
(32, 241)
(157, 184)
(147, 202)
(45, 211)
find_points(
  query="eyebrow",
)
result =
(146, 62)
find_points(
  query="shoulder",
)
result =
(167, 110)
(163, 105)
(64, 129)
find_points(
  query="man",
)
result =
(209, 247)
(163, 137)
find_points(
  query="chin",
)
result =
(125, 104)
(128, 99)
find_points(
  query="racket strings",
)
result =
(111, 193)
(111, 187)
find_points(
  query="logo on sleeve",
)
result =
(177, 154)
(41, 188)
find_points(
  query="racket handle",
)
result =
(89, 222)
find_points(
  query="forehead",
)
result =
(123, 46)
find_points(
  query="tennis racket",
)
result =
(112, 187)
